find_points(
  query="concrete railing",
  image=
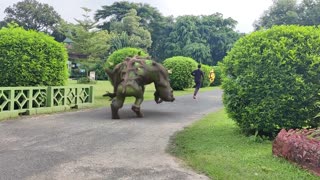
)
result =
(15, 101)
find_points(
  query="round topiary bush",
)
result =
(30, 58)
(271, 79)
(180, 69)
(121, 54)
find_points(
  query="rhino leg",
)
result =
(139, 99)
(116, 104)
(137, 111)
(136, 107)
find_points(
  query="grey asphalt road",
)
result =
(88, 144)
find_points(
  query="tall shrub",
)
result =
(121, 54)
(180, 69)
(271, 79)
(30, 58)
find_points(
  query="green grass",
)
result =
(101, 87)
(215, 147)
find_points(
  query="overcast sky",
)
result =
(243, 11)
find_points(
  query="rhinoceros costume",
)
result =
(129, 78)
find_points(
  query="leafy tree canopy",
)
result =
(204, 38)
(150, 19)
(119, 10)
(86, 38)
(129, 33)
(287, 12)
(31, 14)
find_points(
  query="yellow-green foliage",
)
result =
(30, 58)
(121, 54)
(180, 69)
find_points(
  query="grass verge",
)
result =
(215, 147)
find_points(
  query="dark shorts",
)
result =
(198, 84)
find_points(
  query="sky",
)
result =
(245, 12)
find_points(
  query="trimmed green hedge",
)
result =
(30, 58)
(121, 54)
(271, 79)
(180, 69)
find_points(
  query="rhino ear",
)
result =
(170, 71)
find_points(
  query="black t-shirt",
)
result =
(197, 75)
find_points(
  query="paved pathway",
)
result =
(88, 144)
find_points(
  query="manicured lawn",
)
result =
(101, 87)
(215, 147)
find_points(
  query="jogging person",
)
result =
(198, 78)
